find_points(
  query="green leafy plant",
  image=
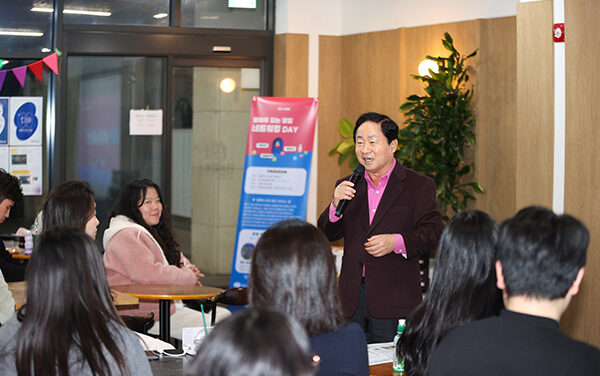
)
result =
(438, 130)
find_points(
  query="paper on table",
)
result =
(153, 344)
(381, 353)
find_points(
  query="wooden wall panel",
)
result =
(370, 74)
(330, 111)
(496, 127)
(535, 104)
(582, 158)
(290, 65)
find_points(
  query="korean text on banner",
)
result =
(276, 176)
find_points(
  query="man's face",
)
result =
(5, 207)
(372, 149)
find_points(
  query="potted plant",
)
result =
(439, 128)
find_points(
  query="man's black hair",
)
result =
(10, 187)
(541, 252)
(388, 126)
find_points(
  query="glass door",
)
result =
(211, 108)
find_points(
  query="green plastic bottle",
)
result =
(398, 364)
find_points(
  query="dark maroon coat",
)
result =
(408, 207)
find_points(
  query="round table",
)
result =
(164, 294)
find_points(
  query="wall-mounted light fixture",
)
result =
(426, 65)
(227, 85)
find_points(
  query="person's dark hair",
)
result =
(129, 205)
(293, 272)
(254, 342)
(69, 205)
(10, 187)
(388, 126)
(463, 287)
(69, 307)
(541, 252)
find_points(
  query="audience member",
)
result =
(293, 272)
(10, 193)
(539, 267)
(7, 303)
(463, 287)
(255, 342)
(140, 249)
(71, 205)
(69, 325)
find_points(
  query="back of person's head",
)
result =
(254, 342)
(293, 272)
(388, 127)
(464, 265)
(10, 187)
(463, 286)
(69, 305)
(69, 205)
(541, 253)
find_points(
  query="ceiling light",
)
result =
(160, 15)
(98, 13)
(4, 62)
(41, 9)
(227, 85)
(21, 33)
(45, 49)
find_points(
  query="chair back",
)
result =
(140, 324)
(237, 296)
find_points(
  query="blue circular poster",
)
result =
(26, 121)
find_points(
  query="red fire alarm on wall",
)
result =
(558, 32)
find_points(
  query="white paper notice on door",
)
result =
(145, 122)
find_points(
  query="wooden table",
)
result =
(176, 367)
(18, 253)
(384, 369)
(164, 294)
(19, 292)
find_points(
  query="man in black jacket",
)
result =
(539, 267)
(10, 193)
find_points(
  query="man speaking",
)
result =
(390, 217)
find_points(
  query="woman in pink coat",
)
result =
(140, 248)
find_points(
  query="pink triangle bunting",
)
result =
(2, 75)
(20, 74)
(36, 68)
(52, 62)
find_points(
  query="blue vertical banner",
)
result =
(4, 121)
(276, 175)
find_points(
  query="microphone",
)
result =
(359, 170)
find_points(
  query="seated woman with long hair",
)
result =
(293, 272)
(463, 287)
(69, 325)
(140, 249)
(71, 205)
(255, 342)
